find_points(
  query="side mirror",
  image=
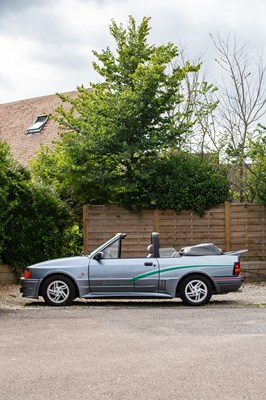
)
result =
(98, 256)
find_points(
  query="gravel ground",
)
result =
(250, 295)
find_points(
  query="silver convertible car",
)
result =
(194, 274)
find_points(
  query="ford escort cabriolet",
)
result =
(194, 274)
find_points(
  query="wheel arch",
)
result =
(195, 274)
(62, 274)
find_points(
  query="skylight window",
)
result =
(38, 124)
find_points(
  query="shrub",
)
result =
(179, 182)
(190, 182)
(32, 217)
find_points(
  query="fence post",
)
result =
(227, 209)
(85, 228)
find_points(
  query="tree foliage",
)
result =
(256, 169)
(185, 181)
(116, 137)
(32, 218)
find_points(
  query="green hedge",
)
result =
(33, 220)
(179, 182)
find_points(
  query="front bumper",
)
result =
(30, 287)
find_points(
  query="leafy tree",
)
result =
(116, 135)
(112, 129)
(256, 169)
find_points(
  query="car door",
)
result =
(146, 274)
(123, 275)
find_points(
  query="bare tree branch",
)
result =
(242, 101)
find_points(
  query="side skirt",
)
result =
(94, 295)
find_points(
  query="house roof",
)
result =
(18, 116)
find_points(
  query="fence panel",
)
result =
(248, 230)
(187, 228)
(101, 222)
(229, 226)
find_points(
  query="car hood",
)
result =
(81, 261)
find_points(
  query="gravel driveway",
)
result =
(251, 295)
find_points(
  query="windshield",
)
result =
(115, 242)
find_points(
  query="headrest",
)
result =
(150, 248)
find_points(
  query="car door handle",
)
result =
(149, 264)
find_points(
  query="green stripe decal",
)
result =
(158, 271)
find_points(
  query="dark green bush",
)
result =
(190, 182)
(179, 182)
(32, 218)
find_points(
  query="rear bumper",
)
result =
(29, 288)
(228, 284)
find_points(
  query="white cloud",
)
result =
(46, 46)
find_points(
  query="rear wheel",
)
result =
(195, 290)
(58, 291)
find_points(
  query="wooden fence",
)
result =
(229, 226)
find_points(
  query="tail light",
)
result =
(27, 274)
(236, 270)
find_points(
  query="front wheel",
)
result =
(58, 291)
(195, 290)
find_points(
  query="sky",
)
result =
(46, 45)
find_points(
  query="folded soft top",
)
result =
(204, 249)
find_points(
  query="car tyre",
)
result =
(195, 290)
(58, 290)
